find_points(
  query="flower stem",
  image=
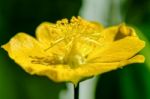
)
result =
(76, 92)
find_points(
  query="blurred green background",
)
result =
(132, 82)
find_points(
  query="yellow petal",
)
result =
(24, 49)
(43, 35)
(111, 34)
(48, 34)
(92, 69)
(117, 51)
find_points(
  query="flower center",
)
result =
(74, 60)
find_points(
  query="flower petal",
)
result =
(117, 51)
(92, 69)
(60, 73)
(51, 38)
(115, 33)
(42, 33)
(24, 48)
(48, 34)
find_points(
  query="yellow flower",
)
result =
(74, 50)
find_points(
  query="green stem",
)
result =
(76, 92)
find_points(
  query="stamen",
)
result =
(45, 60)
(53, 44)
